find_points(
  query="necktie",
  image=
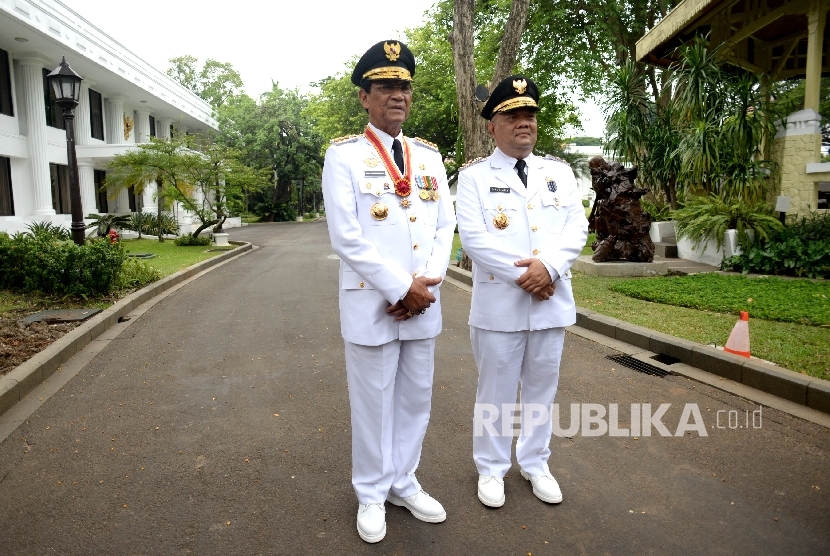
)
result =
(520, 169)
(397, 154)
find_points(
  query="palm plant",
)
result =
(704, 218)
(104, 222)
(48, 231)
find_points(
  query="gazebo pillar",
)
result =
(816, 17)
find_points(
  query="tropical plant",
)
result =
(103, 223)
(139, 223)
(189, 241)
(702, 219)
(136, 273)
(169, 224)
(802, 248)
(47, 231)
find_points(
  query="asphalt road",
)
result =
(218, 423)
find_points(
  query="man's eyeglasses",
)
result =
(405, 87)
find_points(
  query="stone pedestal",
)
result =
(220, 240)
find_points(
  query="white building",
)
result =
(123, 102)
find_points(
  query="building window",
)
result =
(152, 126)
(823, 195)
(96, 115)
(5, 85)
(100, 191)
(6, 198)
(60, 188)
(54, 114)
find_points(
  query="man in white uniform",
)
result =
(391, 222)
(522, 223)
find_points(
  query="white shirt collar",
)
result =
(387, 139)
(509, 161)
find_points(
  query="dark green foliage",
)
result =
(586, 203)
(800, 249)
(659, 211)
(136, 274)
(47, 231)
(703, 219)
(169, 225)
(189, 240)
(32, 263)
(103, 222)
(786, 300)
(274, 211)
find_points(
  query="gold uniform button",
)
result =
(413, 218)
(414, 274)
(368, 186)
(491, 277)
(535, 251)
(415, 247)
(534, 228)
(361, 284)
(530, 205)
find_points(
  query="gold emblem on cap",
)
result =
(371, 162)
(424, 195)
(393, 50)
(422, 167)
(520, 85)
(501, 221)
(379, 211)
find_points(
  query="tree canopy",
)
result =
(214, 83)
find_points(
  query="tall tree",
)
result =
(215, 82)
(273, 133)
(476, 141)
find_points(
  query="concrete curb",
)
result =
(778, 381)
(15, 385)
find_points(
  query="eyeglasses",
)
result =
(387, 88)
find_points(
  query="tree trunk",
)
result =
(477, 142)
(160, 204)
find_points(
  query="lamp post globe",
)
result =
(66, 85)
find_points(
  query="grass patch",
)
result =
(592, 237)
(799, 301)
(170, 258)
(797, 347)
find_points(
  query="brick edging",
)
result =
(17, 383)
(778, 381)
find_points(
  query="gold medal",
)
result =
(424, 195)
(379, 211)
(435, 195)
(501, 221)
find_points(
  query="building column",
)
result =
(142, 126)
(83, 127)
(34, 106)
(163, 128)
(816, 17)
(115, 135)
(86, 178)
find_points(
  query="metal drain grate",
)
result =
(637, 365)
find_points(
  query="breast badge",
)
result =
(371, 162)
(501, 221)
(428, 186)
(551, 185)
(379, 211)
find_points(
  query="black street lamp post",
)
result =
(66, 85)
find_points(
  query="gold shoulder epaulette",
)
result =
(345, 139)
(557, 159)
(472, 162)
(425, 143)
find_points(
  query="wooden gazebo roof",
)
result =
(765, 36)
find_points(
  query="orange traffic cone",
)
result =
(738, 342)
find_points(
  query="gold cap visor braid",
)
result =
(513, 103)
(389, 72)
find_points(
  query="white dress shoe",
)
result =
(422, 505)
(371, 522)
(491, 491)
(545, 487)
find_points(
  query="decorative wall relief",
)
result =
(129, 123)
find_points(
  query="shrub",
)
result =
(702, 219)
(660, 212)
(136, 274)
(47, 231)
(586, 203)
(104, 222)
(800, 249)
(32, 263)
(189, 240)
(169, 225)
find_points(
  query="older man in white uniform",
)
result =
(391, 222)
(522, 223)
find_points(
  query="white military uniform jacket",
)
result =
(546, 221)
(379, 258)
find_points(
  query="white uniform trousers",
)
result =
(507, 360)
(390, 392)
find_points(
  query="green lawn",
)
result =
(795, 346)
(170, 258)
